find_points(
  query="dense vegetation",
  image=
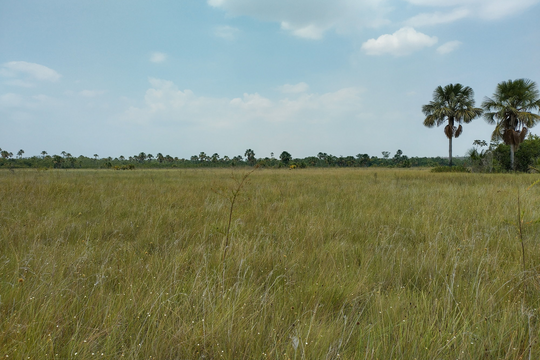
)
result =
(322, 264)
(483, 157)
(143, 160)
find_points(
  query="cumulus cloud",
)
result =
(226, 32)
(448, 47)
(166, 104)
(485, 9)
(294, 89)
(403, 42)
(29, 71)
(309, 19)
(158, 57)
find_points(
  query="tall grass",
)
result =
(321, 264)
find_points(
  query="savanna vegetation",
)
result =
(320, 264)
(160, 161)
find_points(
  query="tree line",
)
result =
(66, 160)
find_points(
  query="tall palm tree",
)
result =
(510, 111)
(451, 105)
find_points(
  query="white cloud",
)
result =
(307, 18)
(428, 19)
(294, 89)
(486, 9)
(226, 32)
(307, 32)
(158, 57)
(403, 42)
(32, 71)
(448, 47)
(164, 103)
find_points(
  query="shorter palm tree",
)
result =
(510, 111)
(451, 105)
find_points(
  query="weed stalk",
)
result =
(232, 197)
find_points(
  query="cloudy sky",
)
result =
(220, 76)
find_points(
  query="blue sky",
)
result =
(221, 76)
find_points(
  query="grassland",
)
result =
(322, 264)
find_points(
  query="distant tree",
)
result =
(363, 159)
(451, 105)
(57, 161)
(510, 111)
(6, 154)
(194, 158)
(160, 157)
(43, 154)
(20, 153)
(386, 154)
(203, 156)
(63, 153)
(149, 157)
(215, 157)
(250, 155)
(285, 157)
(121, 158)
(96, 157)
(141, 157)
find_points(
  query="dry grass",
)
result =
(322, 264)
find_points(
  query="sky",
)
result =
(343, 77)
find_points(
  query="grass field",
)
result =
(321, 264)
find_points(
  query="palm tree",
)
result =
(451, 105)
(141, 157)
(20, 153)
(250, 155)
(160, 157)
(510, 111)
(43, 153)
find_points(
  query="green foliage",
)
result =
(285, 157)
(525, 156)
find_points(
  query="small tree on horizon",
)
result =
(285, 157)
(250, 155)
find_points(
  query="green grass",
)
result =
(345, 264)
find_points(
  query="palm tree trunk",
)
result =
(512, 157)
(450, 151)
